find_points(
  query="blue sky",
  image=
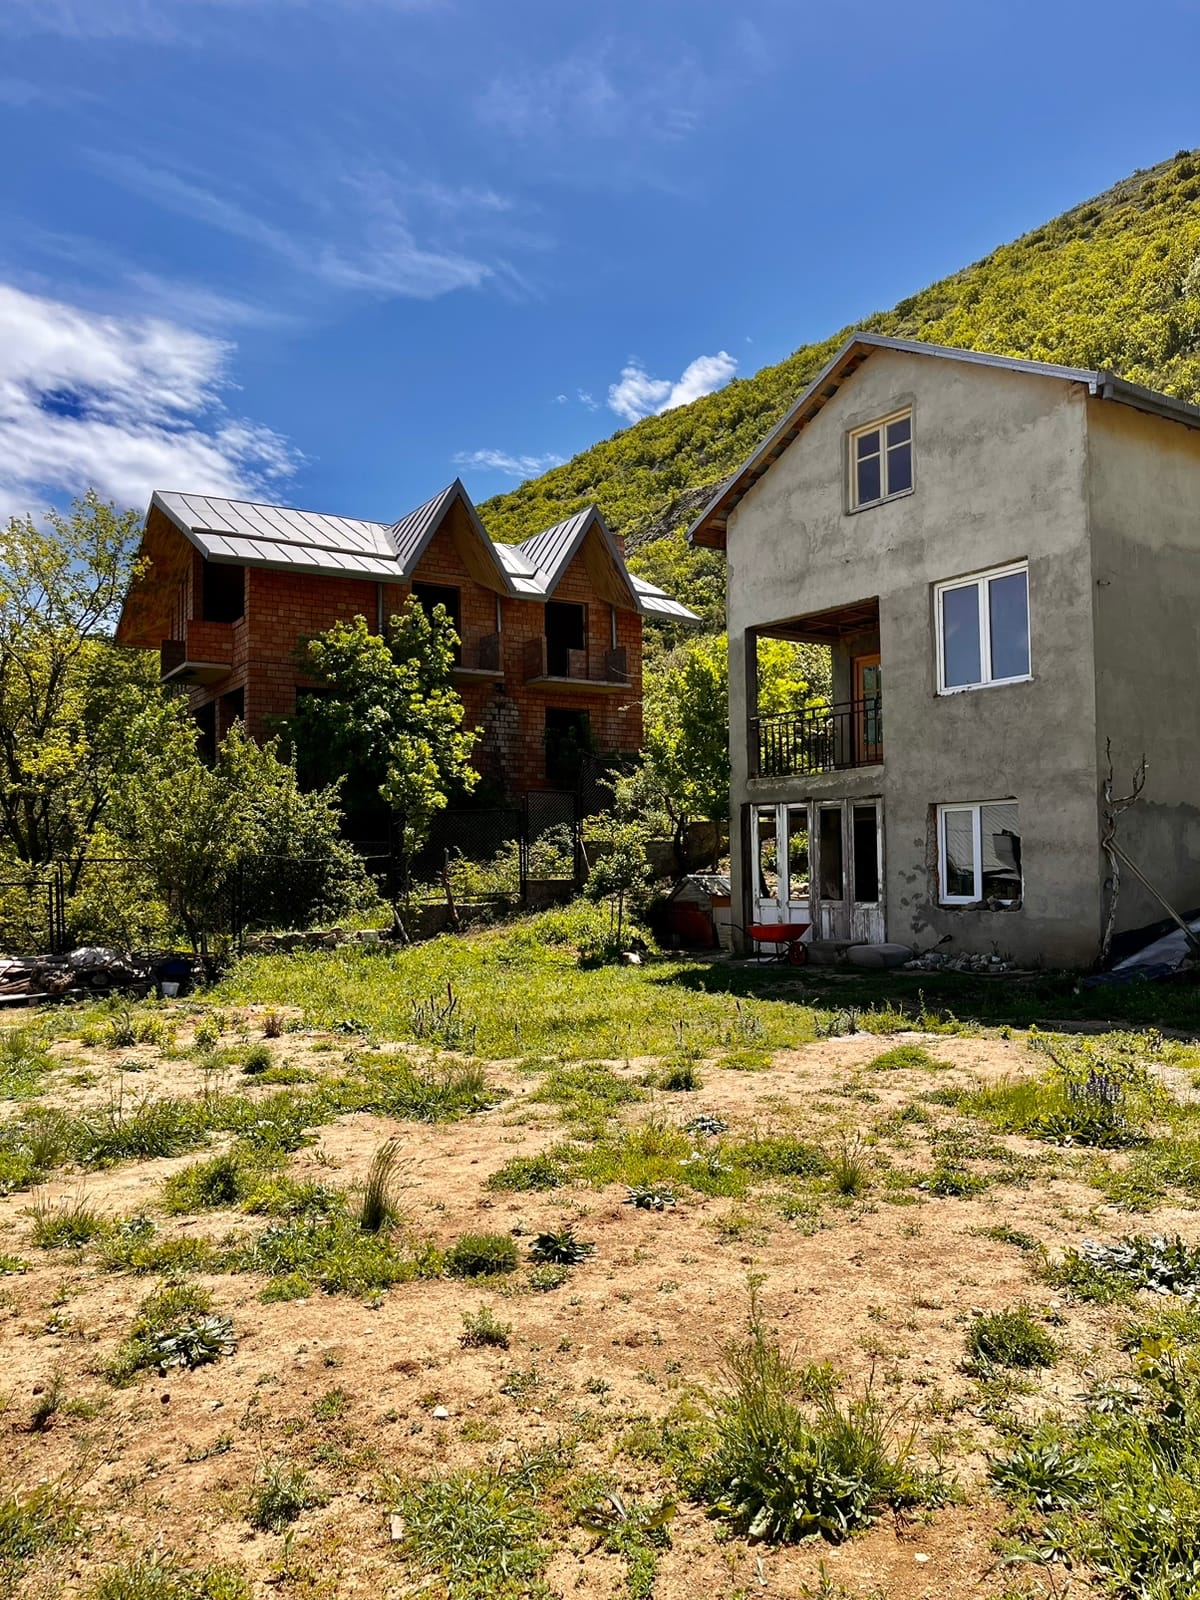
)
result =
(333, 252)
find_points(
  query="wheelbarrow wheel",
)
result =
(797, 954)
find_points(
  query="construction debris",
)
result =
(942, 961)
(90, 970)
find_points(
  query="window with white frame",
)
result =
(983, 629)
(881, 460)
(979, 853)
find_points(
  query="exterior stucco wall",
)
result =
(999, 475)
(1145, 515)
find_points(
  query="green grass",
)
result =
(165, 1578)
(525, 1173)
(67, 1225)
(334, 1254)
(281, 1493)
(479, 1533)
(174, 1327)
(24, 1063)
(521, 990)
(905, 1058)
(1116, 1491)
(32, 1522)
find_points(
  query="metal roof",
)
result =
(709, 526)
(280, 537)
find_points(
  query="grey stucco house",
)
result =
(1004, 558)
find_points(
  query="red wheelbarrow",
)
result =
(785, 937)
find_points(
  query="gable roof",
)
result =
(709, 527)
(247, 533)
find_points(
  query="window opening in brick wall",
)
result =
(224, 596)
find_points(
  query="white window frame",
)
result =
(981, 580)
(975, 807)
(881, 423)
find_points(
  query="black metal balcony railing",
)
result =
(820, 738)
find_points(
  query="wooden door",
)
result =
(868, 710)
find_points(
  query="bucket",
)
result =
(169, 989)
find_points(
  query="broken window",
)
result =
(766, 852)
(832, 867)
(979, 853)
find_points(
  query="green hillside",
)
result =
(1113, 283)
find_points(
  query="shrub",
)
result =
(528, 1173)
(378, 1209)
(207, 1035)
(789, 1460)
(68, 1225)
(282, 1491)
(258, 1058)
(476, 1255)
(483, 1328)
(1011, 1338)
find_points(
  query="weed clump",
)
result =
(682, 1076)
(378, 1209)
(479, 1533)
(1108, 1272)
(1117, 1491)
(483, 1329)
(562, 1248)
(1012, 1338)
(478, 1255)
(257, 1059)
(174, 1327)
(906, 1058)
(24, 1062)
(528, 1173)
(69, 1225)
(282, 1492)
(41, 1519)
(163, 1578)
(790, 1460)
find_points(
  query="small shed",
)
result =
(698, 911)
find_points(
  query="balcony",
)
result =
(479, 657)
(575, 671)
(204, 656)
(819, 739)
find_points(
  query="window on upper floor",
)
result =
(982, 626)
(224, 592)
(881, 464)
(979, 854)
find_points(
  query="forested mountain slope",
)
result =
(1113, 283)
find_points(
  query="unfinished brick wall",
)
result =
(282, 608)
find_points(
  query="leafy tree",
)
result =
(388, 717)
(196, 830)
(622, 870)
(75, 711)
(686, 723)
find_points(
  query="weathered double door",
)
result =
(820, 861)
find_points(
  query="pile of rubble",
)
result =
(92, 969)
(265, 944)
(942, 961)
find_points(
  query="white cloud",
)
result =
(124, 405)
(585, 399)
(511, 466)
(636, 394)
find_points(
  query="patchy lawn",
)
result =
(837, 1333)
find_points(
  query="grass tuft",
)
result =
(478, 1255)
(282, 1491)
(378, 1209)
(1011, 1338)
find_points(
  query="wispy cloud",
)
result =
(599, 91)
(352, 234)
(501, 461)
(636, 394)
(121, 404)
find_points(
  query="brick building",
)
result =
(550, 659)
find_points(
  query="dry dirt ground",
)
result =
(882, 1286)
